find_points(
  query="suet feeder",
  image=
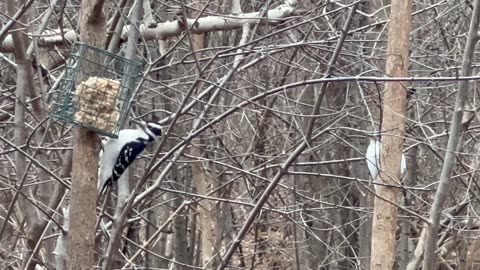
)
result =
(96, 90)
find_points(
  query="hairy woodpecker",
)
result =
(118, 154)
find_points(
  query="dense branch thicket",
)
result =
(235, 109)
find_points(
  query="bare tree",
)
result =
(393, 121)
(265, 106)
(85, 155)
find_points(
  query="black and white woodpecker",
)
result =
(117, 154)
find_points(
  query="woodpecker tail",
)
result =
(107, 184)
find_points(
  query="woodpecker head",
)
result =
(154, 130)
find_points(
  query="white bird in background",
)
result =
(373, 156)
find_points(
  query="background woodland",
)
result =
(266, 107)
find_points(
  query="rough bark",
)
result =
(180, 247)
(85, 155)
(394, 106)
(83, 200)
(207, 216)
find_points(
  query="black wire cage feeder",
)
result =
(96, 90)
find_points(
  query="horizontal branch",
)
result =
(387, 79)
(173, 28)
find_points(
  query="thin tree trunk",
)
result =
(158, 215)
(161, 213)
(83, 202)
(394, 106)
(207, 215)
(20, 99)
(429, 260)
(180, 223)
(24, 86)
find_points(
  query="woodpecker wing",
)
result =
(127, 155)
(107, 161)
(114, 156)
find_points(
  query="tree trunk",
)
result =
(83, 200)
(24, 86)
(207, 215)
(85, 156)
(394, 106)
